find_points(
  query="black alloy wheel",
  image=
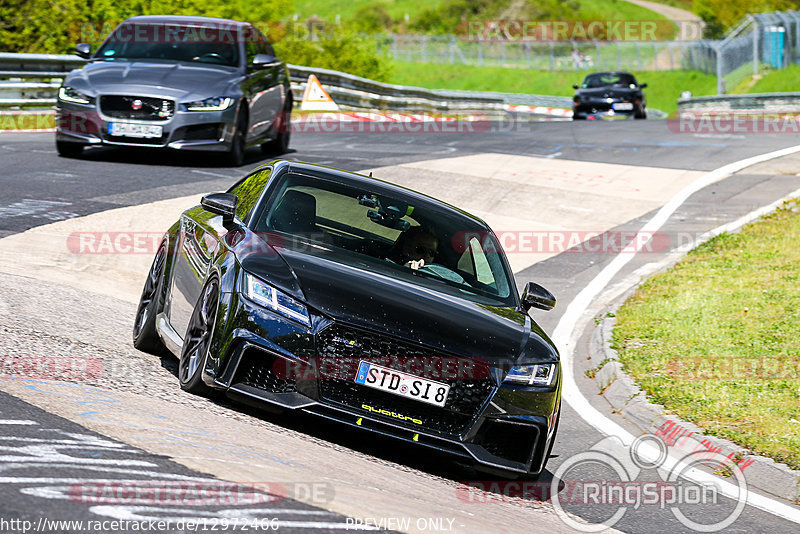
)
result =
(197, 341)
(145, 335)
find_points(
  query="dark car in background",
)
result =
(609, 95)
(307, 289)
(185, 83)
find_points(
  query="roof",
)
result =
(186, 21)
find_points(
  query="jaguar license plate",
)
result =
(402, 384)
(132, 129)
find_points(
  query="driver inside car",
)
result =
(416, 247)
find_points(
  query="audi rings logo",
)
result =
(136, 105)
(613, 477)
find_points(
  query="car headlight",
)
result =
(542, 374)
(68, 94)
(264, 294)
(217, 103)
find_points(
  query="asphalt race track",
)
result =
(131, 414)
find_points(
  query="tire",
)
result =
(145, 335)
(238, 146)
(280, 145)
(197, 341)
(66, 149)
(642, 114)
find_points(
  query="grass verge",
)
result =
(663, 87)
(714, 339)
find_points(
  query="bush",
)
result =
(336, 47)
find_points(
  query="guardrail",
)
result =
(761, 102)
(33, 79)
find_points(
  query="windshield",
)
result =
(608, 79)
(417, 241)
(171, 42)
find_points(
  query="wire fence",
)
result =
(619, 55)
(760, 42)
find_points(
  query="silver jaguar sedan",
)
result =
(186, 83)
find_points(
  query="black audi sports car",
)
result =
(322, 291)
(609, 95)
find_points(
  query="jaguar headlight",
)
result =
(217, 103)
(264, 294)
(68, 94)
(542, 374)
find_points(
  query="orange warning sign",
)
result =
(316, 98)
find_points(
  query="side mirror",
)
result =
(262, 61)
(83, 50)
(535, 296)
(222, 204)
(574, 85)
(642, 85)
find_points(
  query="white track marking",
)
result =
(216, 174)
(567, 331)
(17, 422)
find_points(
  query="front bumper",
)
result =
(269, 361)
(184, 130)
(604, 109)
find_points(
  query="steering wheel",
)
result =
(210, 55)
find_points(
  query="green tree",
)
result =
(722, 15)
(335, 47)
(45, 27)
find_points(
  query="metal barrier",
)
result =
(760, 102)
(33, 79)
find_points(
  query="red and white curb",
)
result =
(539, 110)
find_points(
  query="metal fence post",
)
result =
(756, 31)
(552, 56)
(720, 77)
(450, 48)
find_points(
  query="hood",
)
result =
(608, 92)
(359, 297)
(183, 82)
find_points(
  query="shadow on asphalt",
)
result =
(470, 483)
(173, 158)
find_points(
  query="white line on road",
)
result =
(214, 174)
(567, 331)
(17, 422)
